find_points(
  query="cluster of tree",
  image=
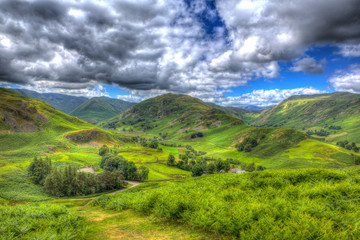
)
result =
(247, 144)
(349, 146)
(171, 144)
(39, 169)
(196, 135)
(68, 181)
(335, 127)
(247, 167)
(321, 133)
(150, 144)
(112, 162)
(191, 153)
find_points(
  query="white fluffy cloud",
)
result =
(346, 80)
(266, 98)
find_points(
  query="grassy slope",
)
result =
(100, 108)
(65, 139)
(62, 102)
(179, 116)
(274, 204)
(307, 112)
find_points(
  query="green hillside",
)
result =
(240, 113)
(316, 112)
(100, 108)
(177, 119)
(62, 102)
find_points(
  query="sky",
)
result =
(230, 52)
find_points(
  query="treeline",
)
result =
(349, 146)
(248, 167)
(112, 162)
(69, 181)
(209, 166)
(335, 127)
(321, 133)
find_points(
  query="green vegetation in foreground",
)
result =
(100, 108)
(273, 204)
(40, 221)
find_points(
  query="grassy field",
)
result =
(277, 204)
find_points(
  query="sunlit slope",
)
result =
(322, 111)
(100, 108)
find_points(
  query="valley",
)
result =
(288, 169)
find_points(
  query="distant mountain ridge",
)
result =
(62, 102)
(100, 108)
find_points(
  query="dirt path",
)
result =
(133, 184)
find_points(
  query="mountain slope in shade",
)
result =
(316, 112)
(62, 102)
(240, 113)
(100, 108)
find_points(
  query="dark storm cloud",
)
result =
(163, 46)
(309, 65)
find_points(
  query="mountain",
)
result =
(175, 113)
(336, 113)
(32, 124)
(62, 102)
(240, 113)
(100, 108)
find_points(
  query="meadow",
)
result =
(274, 204)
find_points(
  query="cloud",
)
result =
(167, 46)
(350, 50)
(86, 91)
(266, 98)
(309, 65)
(347, 79)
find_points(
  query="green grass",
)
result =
(169, 170)
(16, 186)
(276, 204)
(138, 157)
(153, 175)
(43, 221)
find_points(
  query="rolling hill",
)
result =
(316, 112)
(62, 102)
(178, 119)
(100, 108)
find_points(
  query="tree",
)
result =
(219, 164)
(197, 170)
(103, 150)
(171, 160)
(39, 169)
(250, 167)
(211, 168)
(226, 166)
(143, 173)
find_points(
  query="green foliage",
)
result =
(70, 182)
(43, 221)
(143, 173)
(349, 146)
(171, 160)
(197, 170)
(39, 169)
(247, 144)
(321, 133)
(103, 150)
(281, 204)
